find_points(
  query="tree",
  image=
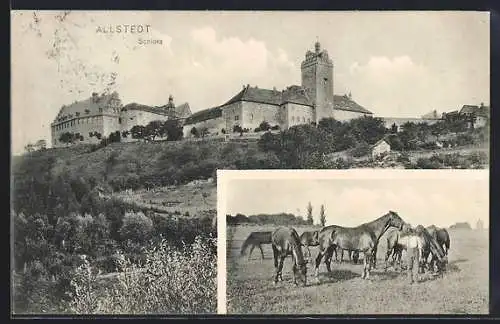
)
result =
(204, 132)
(69, 138)
(309, 214)
(264, 126)
(153, 130)
(322, 216)
(394, 128)
(194, 132)
(173, 130)
(125, 134)
(138, 132)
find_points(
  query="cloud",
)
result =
(389, 86)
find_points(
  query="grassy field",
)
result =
(464, 289)
(195, 198)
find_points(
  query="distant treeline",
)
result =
(261, 219)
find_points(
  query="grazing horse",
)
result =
(363, 239)
(286, 241)
(442, 239)
(429, 245)
(309, 238)
(394, 246)
(256, 239)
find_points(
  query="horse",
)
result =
(394, 246)
(309, 238)
(363, 238)
(286, 241)
(429, 245)
(442, 238)
(256, 239)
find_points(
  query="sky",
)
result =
(396, 64)
(351, 202)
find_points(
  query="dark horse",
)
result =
(256, 239)
(286, 241)
(442, 238)
(363, 239)
(309, 238)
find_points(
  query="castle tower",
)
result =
(317, 78)
(170, 107)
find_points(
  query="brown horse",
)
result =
(442, 238)
(286, 241)
(309, 238)
(256, 239)
(363, 239)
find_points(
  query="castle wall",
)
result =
(232, 115)
(253, 114)
(214, 127)
(83, 125)
(133, 117)
(296, 114)
(346, 115)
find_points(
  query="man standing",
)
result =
(414, 254)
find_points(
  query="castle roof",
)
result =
(141, 107)
(181, 111)
(87, 107)
(346, 103)
(203, 115)
(479, 111)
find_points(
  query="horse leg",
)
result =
(365, 266)
(261, 251)
(308, 253)
(282, 261)
(374, 258)
(318, 262)
(276, 264)
(387, 256)
(328, 258)
(294, 269)
(250, 252)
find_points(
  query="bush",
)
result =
(173, 281)
(427, 163)
(360, 150)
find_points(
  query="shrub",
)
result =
(360, 150)
(175, 281)
(136, 227)
(427, 163)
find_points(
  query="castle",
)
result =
(295, 105)
(105, 114)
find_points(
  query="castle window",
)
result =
(251, 116)
(236, 117)
(100, 109)
(119, 120)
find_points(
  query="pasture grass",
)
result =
(464, 288)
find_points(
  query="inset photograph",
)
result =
(364, 242)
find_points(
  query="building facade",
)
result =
(308, 103)
(105, 114)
